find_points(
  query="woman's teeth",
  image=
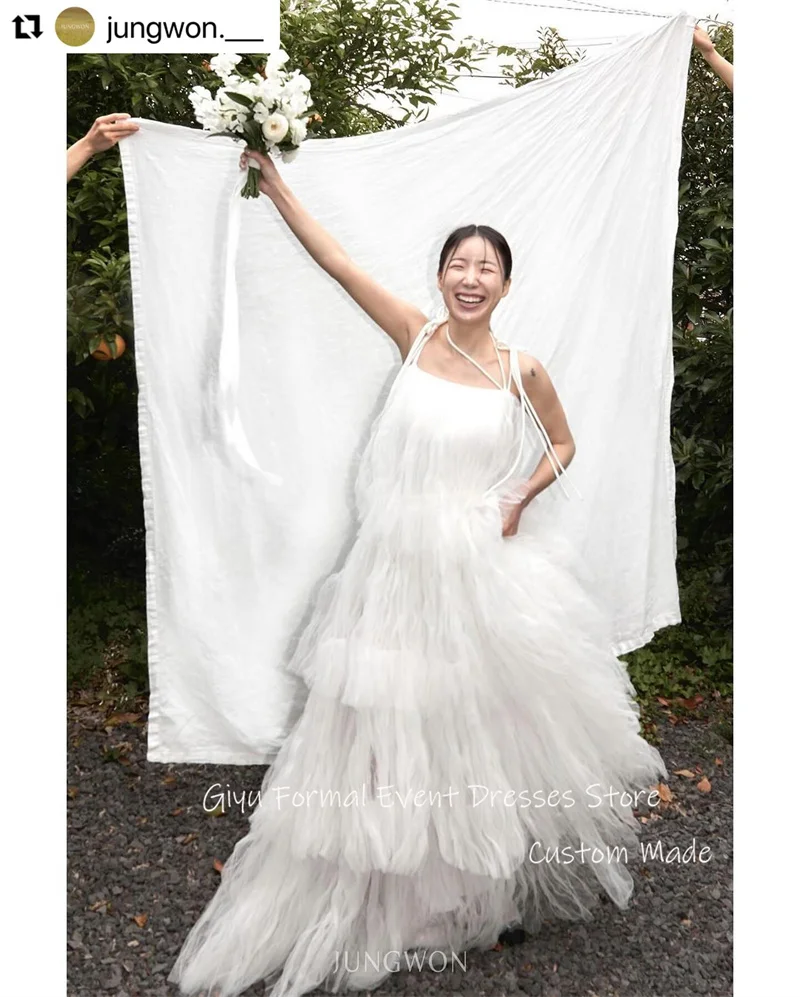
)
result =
(466, 299)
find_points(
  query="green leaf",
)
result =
(239, 98)
(254, 135)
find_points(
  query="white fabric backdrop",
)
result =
(579, 171)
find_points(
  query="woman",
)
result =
(464, 711)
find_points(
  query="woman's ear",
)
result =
(506, 288)
(439, 281)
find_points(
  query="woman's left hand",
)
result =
(702, 41)
(511, 518)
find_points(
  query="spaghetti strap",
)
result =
(527, 406)
(503, 384)
(419, 342)
(430, 327)
(411, 357)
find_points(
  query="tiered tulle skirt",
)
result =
(465, 719)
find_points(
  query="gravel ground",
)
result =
(142, 851)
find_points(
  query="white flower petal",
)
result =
(275, 128)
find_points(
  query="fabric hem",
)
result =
(216, 756)
(645, 636)
(154, 746)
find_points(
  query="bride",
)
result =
(469, 754)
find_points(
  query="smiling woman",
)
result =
(474, 272)
(474, 275)
(419, 658)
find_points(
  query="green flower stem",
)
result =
(250, 188)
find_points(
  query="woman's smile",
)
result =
(470, 301)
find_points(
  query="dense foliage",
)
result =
(399, 54)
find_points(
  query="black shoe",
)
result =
(512, 936)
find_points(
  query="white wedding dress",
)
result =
(461, 692)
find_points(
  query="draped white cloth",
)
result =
(256, 393)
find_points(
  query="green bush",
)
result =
(106, 628)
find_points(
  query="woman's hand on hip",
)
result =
(511, 518)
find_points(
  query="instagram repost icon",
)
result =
(74, 26)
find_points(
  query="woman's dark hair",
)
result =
(454, 240)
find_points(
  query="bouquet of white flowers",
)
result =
(268, 110)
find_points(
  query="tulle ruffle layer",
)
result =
(464, 714)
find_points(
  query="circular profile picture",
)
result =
(74, 26)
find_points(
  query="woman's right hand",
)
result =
(270, 178)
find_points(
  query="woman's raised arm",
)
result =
(399, 319)
(705, 46)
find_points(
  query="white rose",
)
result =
(261, 111)
(275, 128)
(289, 155)
(223, 64)
(297, 83)
(292, 85)
(206, 109)
(297, 130)
(210, 118)
(295, 104)
(274, 63)
(199, 95)
(269, 91)
(206, 116)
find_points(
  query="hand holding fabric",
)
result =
(702, 41)
(705, 46)
(106, 131)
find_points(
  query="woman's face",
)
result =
(472, 281)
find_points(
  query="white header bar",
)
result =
(141, 27)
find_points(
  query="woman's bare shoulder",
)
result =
(417, 320)
(531, 367)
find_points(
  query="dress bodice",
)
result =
(442, 441)
(438, 439)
